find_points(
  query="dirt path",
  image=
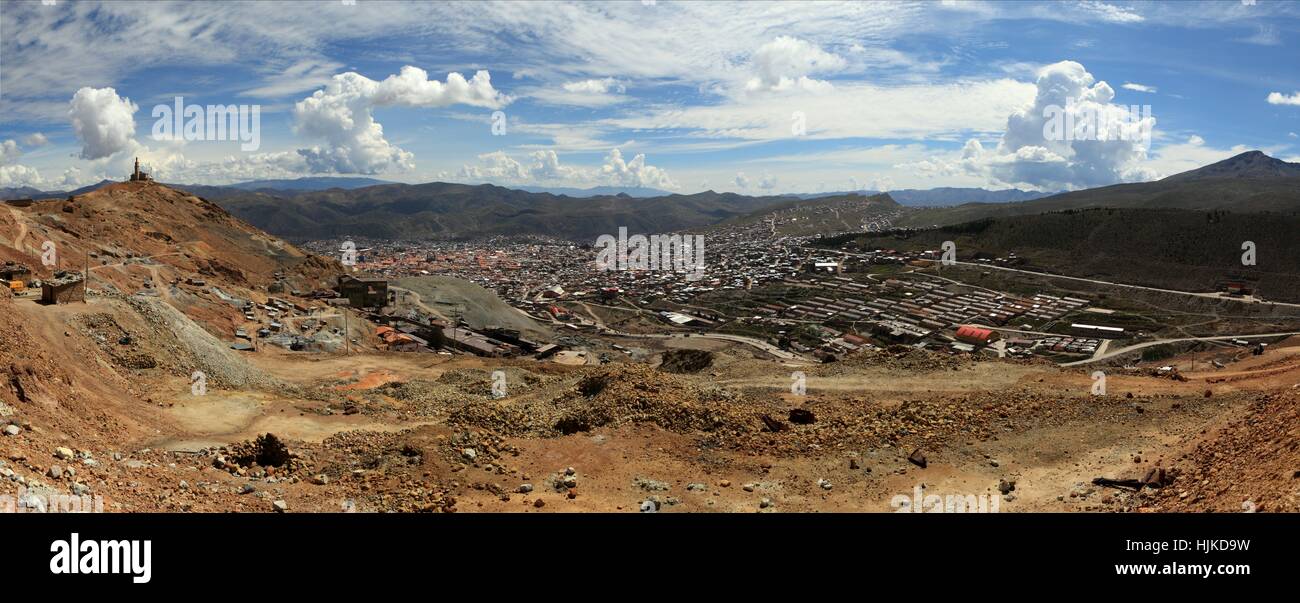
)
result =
(983, 376)
(306, 369)
(22, 230)
(220, 417)
(163, 287)
(1156, 342)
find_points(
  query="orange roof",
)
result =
(976, 333)
(392, 337)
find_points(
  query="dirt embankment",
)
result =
(1251, 463)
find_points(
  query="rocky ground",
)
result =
(630, 437)
(96, 401)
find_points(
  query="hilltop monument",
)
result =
(137, 175)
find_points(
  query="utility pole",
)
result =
(347, 345)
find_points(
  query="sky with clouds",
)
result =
(754, 97)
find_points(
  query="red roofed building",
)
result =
(397, 342)
(976, 335)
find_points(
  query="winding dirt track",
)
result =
(22, 229)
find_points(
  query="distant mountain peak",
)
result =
(1255, 165)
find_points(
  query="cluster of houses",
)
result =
(915, 308)
(536, 275)
(431, 335)
(63, 288)
(926, 313)
(1069, 345)
(413, 331)
(533, 272)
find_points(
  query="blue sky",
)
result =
(677, 96)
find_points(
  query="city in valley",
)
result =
(743, 260)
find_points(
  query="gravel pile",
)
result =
(901, 358)
(187, 347)
(614, 396)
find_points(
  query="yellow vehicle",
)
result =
(17, 286)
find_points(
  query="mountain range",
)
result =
(1249, 182)
(598, 191)
(943, 196)
(462, 211)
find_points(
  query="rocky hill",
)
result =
(119, 227)
(825, 215)
(1249, 182)
(1165, 248)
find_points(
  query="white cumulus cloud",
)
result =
(1277, 98)
(634, 173)
(498, 166)
(786, 62)
(742, 181)
(19, 175)
(342, 114)
(103, 121)
(9, 151)
(544, 167)
(1035, 152)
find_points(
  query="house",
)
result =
(63, 290)
(1237, 288)
(685, 320)
(1098, 330)
(469, 341)
(363, 292)
(12, 271)
(397, 341)
(975, 335)
(835, 266)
